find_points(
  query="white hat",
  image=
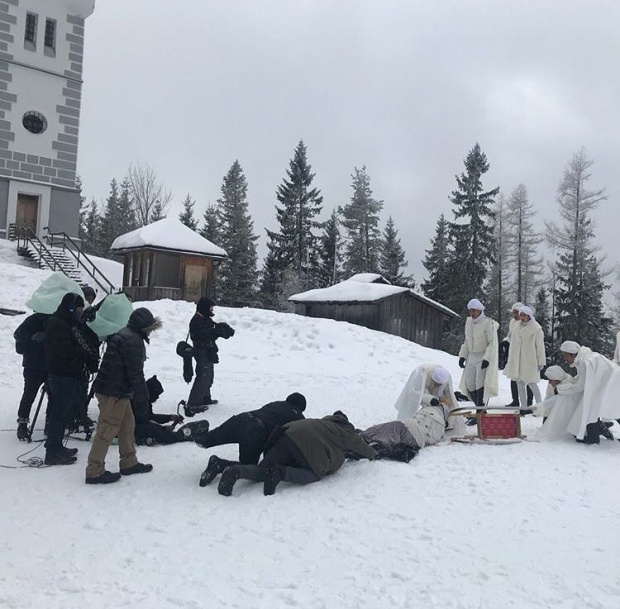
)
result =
(440, 375)
(474, 303)
(527, 311)
(570, 346)
(555, 373)
(515, 307)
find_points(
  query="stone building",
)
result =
(41, 58)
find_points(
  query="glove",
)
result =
(177, 418)
(38, 337)
(538, 410)
(434, 402)
(484, 364)
(504, 344)
(461, 362)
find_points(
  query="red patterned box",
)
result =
(501, 426)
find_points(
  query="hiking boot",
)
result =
(210, 402)
(215, 466)
(69, 452)
(190, 431)
(227, 482)
(525, 411)
(606, 432)
(471, 421)
(138, 468)
(191, 411)
(273, 477)
(105, 478)
(22, 430)
(59, 459)
(512, 404)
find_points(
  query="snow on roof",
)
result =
(169, 234)
(369, 278)
(354, 290)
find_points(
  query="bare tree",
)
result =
(151, 198)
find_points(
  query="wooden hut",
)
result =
(166, 259)
(369, 300)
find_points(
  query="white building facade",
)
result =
(41, 58)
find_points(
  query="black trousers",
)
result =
(158, 432)
(515, 394)
(65, 392)
(201, 389)
(33, 379)
(243, 429)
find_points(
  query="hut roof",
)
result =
(363, 288)
(168, 234)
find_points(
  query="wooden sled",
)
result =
(493, 425)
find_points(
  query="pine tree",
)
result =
(83, 206)
(91, 231)
(436, 263)
(541, 311)
(360, 218)
(392, 261)
(159, 212)
(499, 294)
(110, 219)
(238, 275)
(211, 224)
(294, 245)
(580, 314)
(472, 237)
(187, 215)
(523, 241)
(126, 210)
(329, 252)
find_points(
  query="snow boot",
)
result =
(273, 476)
(59, 459)
(138, 468)
(214, 468)
(191, 411)
(22, 430)
(605, 431)
(189, 431)
(105, 478)
(69, 452)
(228, 480)
(592, 435)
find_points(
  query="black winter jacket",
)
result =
(67, 350)
(121, 373)
(29, 338)
(276, 413)
(203, 336)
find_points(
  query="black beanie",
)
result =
(70, 302)
(89, 291)
(204, 305)
(297, 400)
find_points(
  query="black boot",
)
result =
(480, 397)
(274, 474)
(214, 468)
(228, 480)
(592, 435)
(514, 391)
(189, 431)
(23, 435)
(473, 396)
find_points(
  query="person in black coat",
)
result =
(159, 428)
(29, 338)
(121, 379)
(203, 336)
(250, 431)
(68, 354)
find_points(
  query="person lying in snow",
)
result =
(152, 429)
(557, 377)
(250, 431)
(581, 407)
(301, 452)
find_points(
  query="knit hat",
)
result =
(297, 400)
(555, 373)
(143, 319)
(474, 303)
(570, 346)
(88, 291)
(70, 302)
(203, 306)
(440, 375)
(515, 307)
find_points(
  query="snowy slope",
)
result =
(460, 527)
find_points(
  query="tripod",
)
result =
(44, 391)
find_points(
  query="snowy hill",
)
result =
(528, 525)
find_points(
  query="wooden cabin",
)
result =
(369, 300)
(166, 259)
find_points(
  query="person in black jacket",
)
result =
(152, 429)
(250, 430)
(67, 355)
(203, 332)
(29, 338)
(121, 379)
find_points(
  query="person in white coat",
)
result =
(504, 348)
(556, 376)
(478, 355)
(616, 359)
(580, 407)
(526, 357)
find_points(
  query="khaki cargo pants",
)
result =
(115, 419)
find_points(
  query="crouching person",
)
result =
(153, 429)
(120, 379)
(301, 452)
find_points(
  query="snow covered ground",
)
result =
(460, 527)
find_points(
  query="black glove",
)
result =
(434, 402)
(504, 344)
(461, 362)
(484, 364)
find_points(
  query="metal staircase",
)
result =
(59, 252)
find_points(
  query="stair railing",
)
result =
(26, 238)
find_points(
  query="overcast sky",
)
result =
(405, 87)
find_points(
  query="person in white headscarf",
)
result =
(478, 355)
(504, 350)
(580, 407)
(556, 376)
(423, 406)
(526, 357)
